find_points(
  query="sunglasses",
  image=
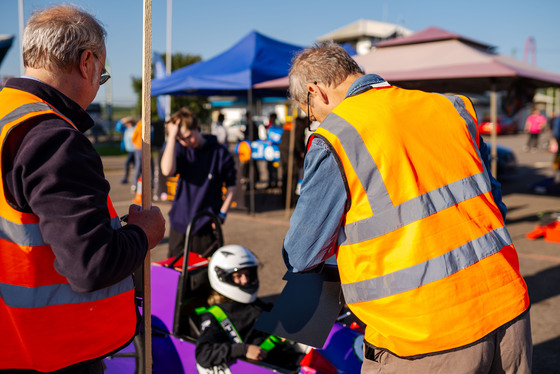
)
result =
(104, 75)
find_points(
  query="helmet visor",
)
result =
(246, 278)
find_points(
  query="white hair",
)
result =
(326, 63)
(54, 38)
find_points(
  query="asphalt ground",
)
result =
(263, 228)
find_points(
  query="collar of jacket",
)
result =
(69, 108)
(364, 83)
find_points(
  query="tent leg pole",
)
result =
(252, 182)
(494, 137)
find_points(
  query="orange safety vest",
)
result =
(425, 260)
(45, 325)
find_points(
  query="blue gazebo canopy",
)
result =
(5, 44)
(255, 58)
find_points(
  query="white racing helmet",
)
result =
(226, 261)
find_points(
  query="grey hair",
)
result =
(326, 63)
(54, 38)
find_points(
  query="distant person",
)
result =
(297, 159)
(204, 167)
(136, 139)
(556, 134)
(397, 186)
(126, 126)
(274, 134)
(137, 146)
(219, 131)
(534, 125)
(67, 294)
(251, 134)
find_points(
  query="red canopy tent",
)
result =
(437, 60)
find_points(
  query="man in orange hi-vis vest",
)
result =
(397, 186)
(66, 290)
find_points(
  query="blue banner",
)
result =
(159, 72)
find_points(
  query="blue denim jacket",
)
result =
(317, 219)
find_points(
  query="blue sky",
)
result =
(208, 27)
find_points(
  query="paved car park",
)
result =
(263, 233)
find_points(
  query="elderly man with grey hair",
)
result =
(396, 185)
(66, 291)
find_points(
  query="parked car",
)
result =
(507, 162)
(506, 125)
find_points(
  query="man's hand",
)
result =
(254, 352)
(150, 221)
(172, 128)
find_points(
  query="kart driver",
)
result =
(227, 325)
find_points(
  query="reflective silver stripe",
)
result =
(27, 235)
(429, 271)
(459, 105)
(29, 108)
(387, 217)
(415, 209)
(361, 161)
(58, 294)
(380, 84)
(23, 110)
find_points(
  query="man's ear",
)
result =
(322, 94)
(314, 89)
(86, 59)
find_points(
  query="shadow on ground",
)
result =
(546, 359)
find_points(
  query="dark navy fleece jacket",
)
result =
(53, 171)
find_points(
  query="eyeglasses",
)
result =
(104, 75)
(308, 111)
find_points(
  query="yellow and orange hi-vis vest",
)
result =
(424, 258)
(44, 324)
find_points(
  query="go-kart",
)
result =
(178, 287)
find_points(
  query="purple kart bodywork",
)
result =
(172, 355)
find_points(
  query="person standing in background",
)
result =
(297, 159)
(204, 166)
(555, 127)
(126, 126)
(534, 125)
(219, 131)
(273, 134)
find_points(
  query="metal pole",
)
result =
(20, 17)
(252, 182)
(289, 179)
(109, 100)
(168, 55)
(146, 173)
(493, 136)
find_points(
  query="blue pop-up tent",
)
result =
(255, 58)
(5, 44)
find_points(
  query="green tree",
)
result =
(199, 105)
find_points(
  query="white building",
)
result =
(364, 33)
